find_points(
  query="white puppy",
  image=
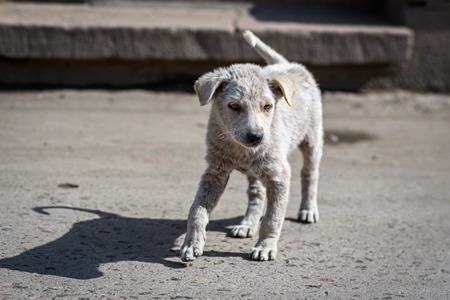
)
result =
(259, 115)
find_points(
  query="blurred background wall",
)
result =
(166, 45)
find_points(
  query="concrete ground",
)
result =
(95, 188)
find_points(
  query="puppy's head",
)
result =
(244, 100)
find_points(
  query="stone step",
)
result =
(173, 31)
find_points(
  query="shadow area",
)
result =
(107, 239)
(321, 13)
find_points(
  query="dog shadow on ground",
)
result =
(109, 238)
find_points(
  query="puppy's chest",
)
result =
(251, 165)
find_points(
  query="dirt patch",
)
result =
(336, 137)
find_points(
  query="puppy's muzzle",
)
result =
(254, 138)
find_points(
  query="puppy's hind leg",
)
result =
(312, 154)
(256, 200)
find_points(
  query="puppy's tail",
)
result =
(269, 55)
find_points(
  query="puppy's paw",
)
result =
(308, 215)
(264, 250)
(189, 253)
(242, 231)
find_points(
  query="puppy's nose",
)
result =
(255, 137)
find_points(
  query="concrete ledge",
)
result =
(168, 32)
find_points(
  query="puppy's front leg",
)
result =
(210, 189)
(277, 200)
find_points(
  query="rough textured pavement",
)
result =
(95, 188)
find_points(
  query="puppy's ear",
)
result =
(207, 85)
(283, 86)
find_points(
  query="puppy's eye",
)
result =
(234, 106)
(268, 107)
